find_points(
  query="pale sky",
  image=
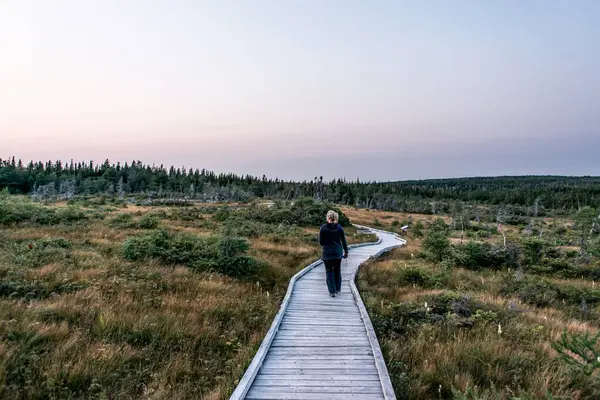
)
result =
(381, 90)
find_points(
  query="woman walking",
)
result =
(333, 241)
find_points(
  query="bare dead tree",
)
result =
(66, 189)
(43, 192)
(433, 209)
(536, 206)
(501, 218)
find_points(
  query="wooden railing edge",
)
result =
(384, 377)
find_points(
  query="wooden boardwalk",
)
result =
(321, 347)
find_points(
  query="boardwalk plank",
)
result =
(330, 379)
(321, 347)
(314, 396)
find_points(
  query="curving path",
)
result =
(320, 347)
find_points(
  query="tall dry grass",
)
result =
(77, 320)
(448, 332)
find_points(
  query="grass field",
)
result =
(485, 330)
(121, 301)
(113, 300)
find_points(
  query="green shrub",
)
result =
(485, 316)
(439, 225)
(474, 255)
(533, 250)
(425, 279)
(544, 293)
(232, 258)
(188, 213)
(222, 214)
(224, 254)
(70, 214)
(593, 247)
(21, 289)
(443, 303)
(15, 211)
(148, 222)
(41, 252)
(401, 319)
(123, 220)
(580, 350)
(126, 221)
(414, 276)
(417, 230)
(55, 242)
(436, 245)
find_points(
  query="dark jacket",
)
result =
(333, 240)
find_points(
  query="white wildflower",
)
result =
(499, 329)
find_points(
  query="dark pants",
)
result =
(333, 275)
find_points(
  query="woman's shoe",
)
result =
(337, 291)
(331, 294)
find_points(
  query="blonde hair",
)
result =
(332, 216)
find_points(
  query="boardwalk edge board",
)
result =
(248, 378)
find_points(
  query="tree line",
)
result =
(526, 194)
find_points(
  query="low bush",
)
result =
(34, 254)
(123, 220)
(593, 247)
(148, 222)
(414, 276)
(222, 214)
(542, 292)
(69, 214)
(126, 221)
(400, 320)
(533, 250)
(21, 289)
(436, 245)
(224, 254)
(580, 350)
(476, 256)
(417, 230)
(15, 211)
